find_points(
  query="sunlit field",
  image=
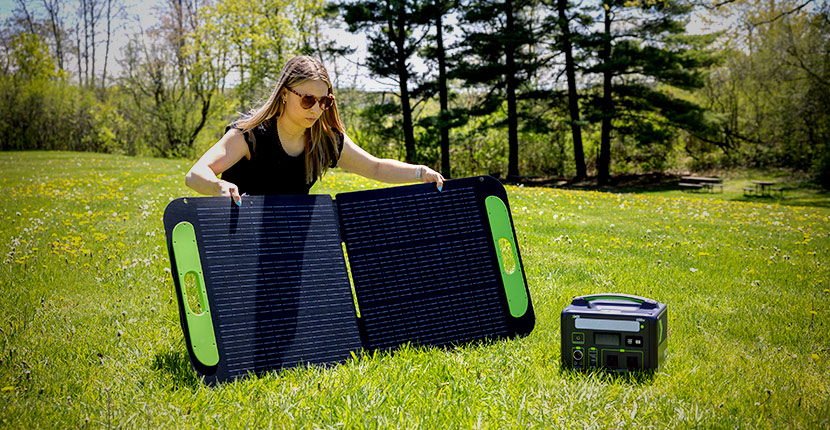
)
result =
(90, 334)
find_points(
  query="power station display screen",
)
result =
(607, 339)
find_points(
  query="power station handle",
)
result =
(642, 301)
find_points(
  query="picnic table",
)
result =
(763, 189)
(704, 183)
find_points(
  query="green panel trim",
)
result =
(659, 330)
(514, 284)
(199, 326)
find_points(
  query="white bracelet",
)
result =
(419, 172)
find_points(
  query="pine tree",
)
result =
(395, 29)
(640, 52)
(566, 42)
(497, 58)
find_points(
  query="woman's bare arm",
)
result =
(202, 177)
(354, 159)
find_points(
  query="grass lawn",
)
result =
(90, 334)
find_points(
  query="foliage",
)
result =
(43, 110)
(91, 334)
(374, 122)
(772, 89)
(173, 81)
(253, 39)
(763, 103)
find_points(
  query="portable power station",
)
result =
(617, 332)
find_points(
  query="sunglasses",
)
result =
(307, 100)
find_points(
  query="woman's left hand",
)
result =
(429, 175)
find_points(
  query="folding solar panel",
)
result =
(271, 281)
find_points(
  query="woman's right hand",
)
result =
(230, 189)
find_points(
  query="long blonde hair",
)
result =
(321, 142)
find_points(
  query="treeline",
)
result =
(530, 87)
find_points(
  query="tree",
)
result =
(497, 57)
(566, 46)
(114, 10)
(53, 9)
(257, 37)
(641, 53)
(171, 80)
(25, 93)
(437, 126)
(395, 31)
(772, 88)
(439, 9)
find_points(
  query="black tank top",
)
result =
(271, 170)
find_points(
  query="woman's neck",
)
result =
(289, 131)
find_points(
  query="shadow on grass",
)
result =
(175, 367)
(796, 192)
(818, 200)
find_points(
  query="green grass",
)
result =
(90, 335)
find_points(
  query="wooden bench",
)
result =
(749, 191)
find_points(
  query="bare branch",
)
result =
(28, 16)
(782, 14)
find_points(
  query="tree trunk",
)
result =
(573, 97)
(53, 9)
(92, 19)
(205, 112)
(78, 57)
(403, 79)
(179, 39)
(442, 95)
(512, 114)
(107, 49)
(604, 162)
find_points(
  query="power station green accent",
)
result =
(199, 326)
(659, 330)
(514, 284)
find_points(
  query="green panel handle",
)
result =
(199, 326)
(514, 283)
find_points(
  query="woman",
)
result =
(286, 145)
